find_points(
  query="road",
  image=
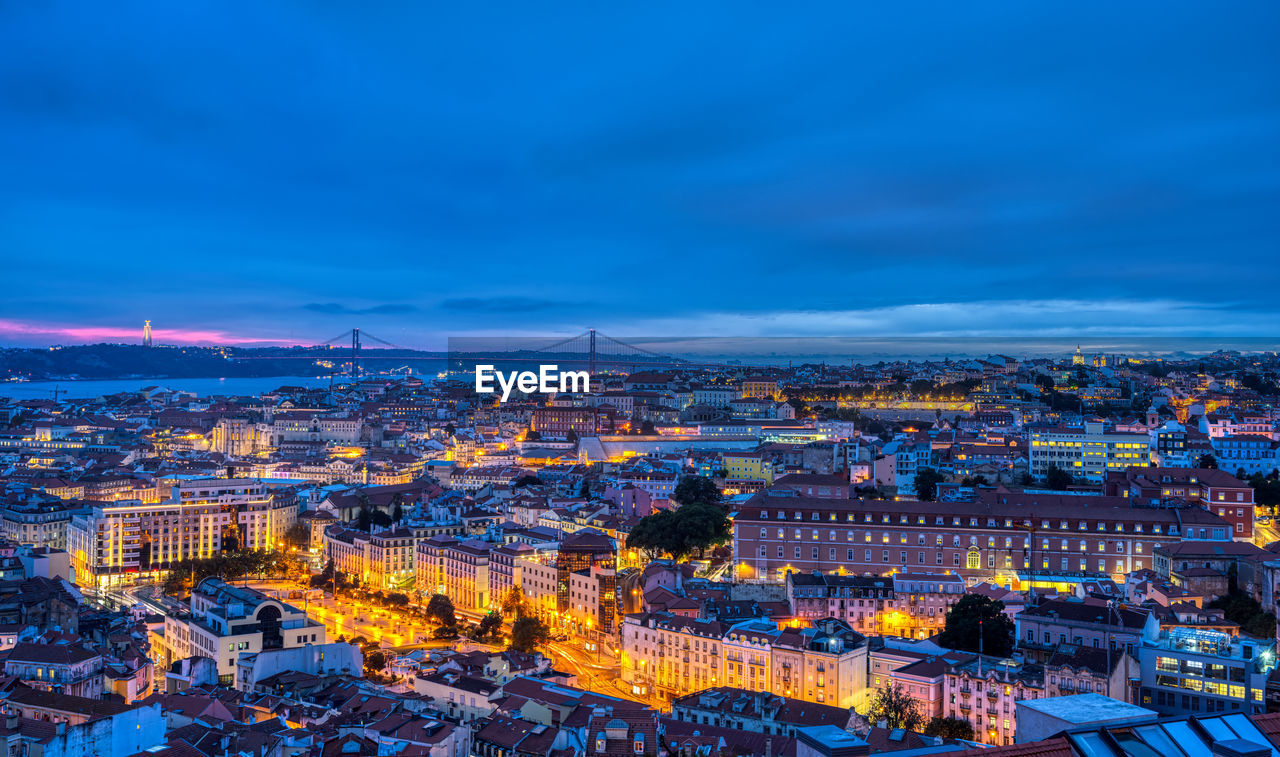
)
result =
(596, 671)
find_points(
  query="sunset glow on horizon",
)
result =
(26, 333)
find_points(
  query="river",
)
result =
(204, 387)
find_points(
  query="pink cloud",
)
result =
(48, 333)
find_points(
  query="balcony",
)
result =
(965, 706)
(993, 694)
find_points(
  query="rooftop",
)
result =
(1087, 708)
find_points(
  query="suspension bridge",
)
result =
(590, 349)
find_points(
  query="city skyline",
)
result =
(961, 171)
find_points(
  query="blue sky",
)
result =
(284, 171)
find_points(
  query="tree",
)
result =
(513, 602)
(651, 534)
(440, 609)
(949, 728)
(529, 633)
(696, 489)
(896, 708)
(380, 519)
(927, 480)
(1045, 382)
(1266, 490)
(1241, 608)
(450, 429)
(397, 509)
(1207, 461)
(364, 520)
(375, 661)
(975, 614)
(527, 479)
(974, 481)
(584, 489)
(490, 626)
(698, 527)
(1057, 478)
(921, 387)
(298, 536)
(694, 527)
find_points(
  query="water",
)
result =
(204, 387)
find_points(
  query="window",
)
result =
(973, 560)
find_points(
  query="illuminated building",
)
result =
(383, 560)
(228, 621)
(121, 543)
(1194, 671)
(672, 656)
(580, 551)
(1052, 539)
(1215, 490)
(913, 605)
(1089, 452)
(760, 388)
(984, 692)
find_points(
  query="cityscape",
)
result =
(733, 559)
(730, 380)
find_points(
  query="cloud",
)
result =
(506, 304)
(333, 308)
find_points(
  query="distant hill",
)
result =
(113, 361)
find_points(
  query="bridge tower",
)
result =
(355, 353)
(591, 359)
(146, 333)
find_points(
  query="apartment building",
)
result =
(912, 605)
(558, 422)
(458, 568)
(1219, 425)
(228, 621)
(382, 560)
(760, 388)
(672, 656)
(756, 712)
(1253, 454)
(593, 600)
(983, 691)
(72, 669)
(1002, 536)
(1084, 622)
(582, 550)
(538, 583)
(40, 524)
(1087, 452)
(1215, 490)
(1190, 671)
(118, 544)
